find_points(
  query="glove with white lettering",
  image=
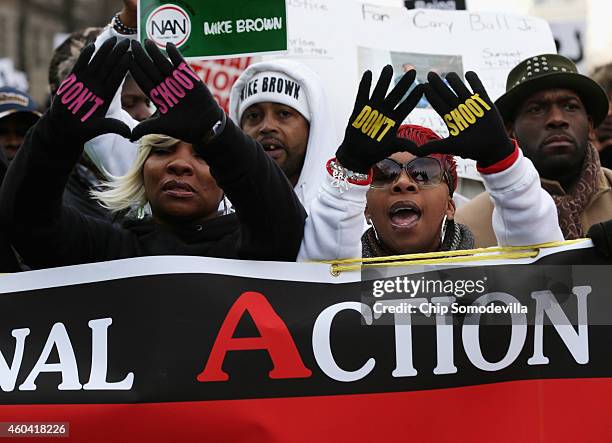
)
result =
(185, 107)
(371, 133)
(77, 113)
(476, 129)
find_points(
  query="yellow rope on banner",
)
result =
(461, 256)
(337, 269)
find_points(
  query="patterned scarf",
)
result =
(457, 237)
(571, 205)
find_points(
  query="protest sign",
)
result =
(215, 29)
(219, 75)
(200, 349)
(340, 39)
(570, 37)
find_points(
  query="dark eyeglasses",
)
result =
(426, 172)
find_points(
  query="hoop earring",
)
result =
(371, 223)
(443, 229)
(227, 206)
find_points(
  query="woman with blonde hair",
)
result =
(127, 193)
(182, 175)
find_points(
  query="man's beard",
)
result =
(560, 167)
(292, 167)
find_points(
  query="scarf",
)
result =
(457, 237)
(571, 205)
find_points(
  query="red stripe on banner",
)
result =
(568, 410)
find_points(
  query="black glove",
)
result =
(78, 110)
(185, 107)
(371, 133)
(601, 234)
(476, 129)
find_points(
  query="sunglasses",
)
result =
(426, 172)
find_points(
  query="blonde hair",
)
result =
(128, 191)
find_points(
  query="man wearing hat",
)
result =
(551, 110)
(282, 104)
(17, 114)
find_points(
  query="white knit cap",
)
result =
(274, 87)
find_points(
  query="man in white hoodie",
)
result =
(283, 105)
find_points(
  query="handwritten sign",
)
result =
(340, 39)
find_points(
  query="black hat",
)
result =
(549, 71)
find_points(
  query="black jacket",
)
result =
(268, 224)
(8, 262)
(81, 182)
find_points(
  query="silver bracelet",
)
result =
(342, 176)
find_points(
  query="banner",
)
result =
(214, 29)
(198, 349)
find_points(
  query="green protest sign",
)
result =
(215, 28)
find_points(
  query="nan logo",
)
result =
(169, 24)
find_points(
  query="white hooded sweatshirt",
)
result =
(334, 224)
(322, 141)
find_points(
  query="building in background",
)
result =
(29, 27)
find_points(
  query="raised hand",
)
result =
(186, 108)
(476, 129)
(371, 133)
(78, 110)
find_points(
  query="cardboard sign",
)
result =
(215, 29)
